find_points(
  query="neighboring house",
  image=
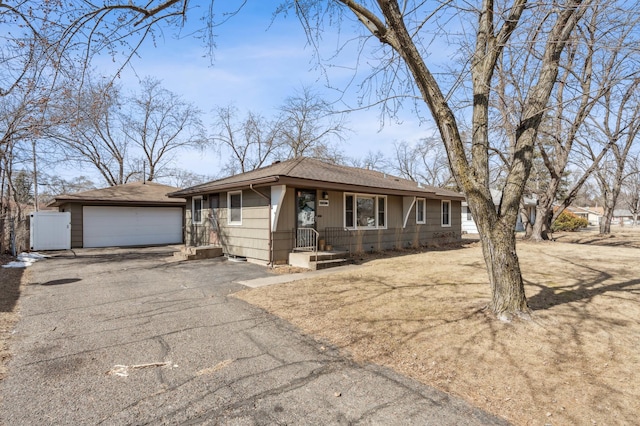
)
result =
(133, 214)
(592, 214)
(622, 217)
(469, 225)
(265, 214)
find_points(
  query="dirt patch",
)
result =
(10, 281)
(422, 315)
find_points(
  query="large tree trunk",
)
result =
(544, 219)
(541, 230)
(496, 228)
(605, 221)
(497, 236)
(526, 222)
(507, 287)
(544, 212)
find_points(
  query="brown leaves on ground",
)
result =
(422, 315)
(10, 279)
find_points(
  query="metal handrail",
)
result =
(307, 239)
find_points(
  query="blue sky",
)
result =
(256, 65)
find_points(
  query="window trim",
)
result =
(193, 210)
(448, 204)
(423, 203)
(469, 216)
(229, 195)
(352, 211)
(376, 213)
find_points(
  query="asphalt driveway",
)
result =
(126, 336)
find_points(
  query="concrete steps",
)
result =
(198, 253)
(323, 259)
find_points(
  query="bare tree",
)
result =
(630, 194)
(305, 126)
(617, 125)
(425, 162)
(160, 124)
(402, 30)
(309, 127)
(184, 178)
(405, 68)
(25, 115)
(373, 160)
(599, 57)
(55, 185)
(248, 143)
(92, 133)
(128, 137)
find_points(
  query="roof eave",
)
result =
(207, 189)
(57, 202)
(292, 181)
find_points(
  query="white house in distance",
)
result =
(469, 225)
(592, 214)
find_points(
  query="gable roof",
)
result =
(135, 193)
(587, 210)
(622, 213)
(310, 172)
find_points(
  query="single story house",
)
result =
(469, 225)
(592, 214)
(304, 203)
(133, 214)
(622, 217)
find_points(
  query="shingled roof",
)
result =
(309, 172)
(135, 193)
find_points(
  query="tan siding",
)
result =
(76, 222)
(332, 216)
(395, 216)
(251, 238)
(196, 234)
(287, 219)
(282, 246)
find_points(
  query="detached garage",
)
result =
(134, 214)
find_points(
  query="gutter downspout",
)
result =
(269, 220)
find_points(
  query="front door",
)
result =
(306, 219)
(306, 208)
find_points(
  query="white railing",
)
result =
(307, 239)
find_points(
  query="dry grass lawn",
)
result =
(575, 363)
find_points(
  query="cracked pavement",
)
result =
(126, 336)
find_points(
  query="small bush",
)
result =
(568, 221)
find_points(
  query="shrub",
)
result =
(568, 221)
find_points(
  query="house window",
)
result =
(196, 210)
(365, 211)
(421, 211)
(234, 208)
(446, 213)
(348, 211)
(382, 219)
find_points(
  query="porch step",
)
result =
(198, 253)
(323, 260)
(324, 264)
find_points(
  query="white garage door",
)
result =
(131, 226)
